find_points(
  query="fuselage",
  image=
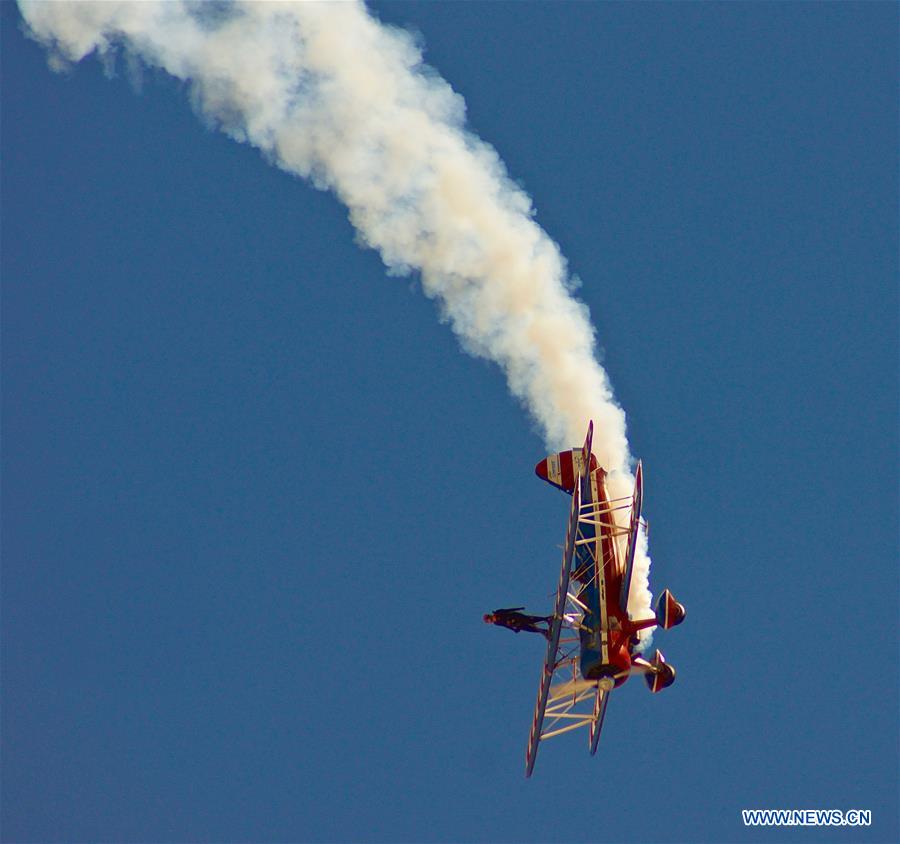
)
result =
(607, 636)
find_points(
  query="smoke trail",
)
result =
(330, 94)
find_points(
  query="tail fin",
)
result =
(586, 455)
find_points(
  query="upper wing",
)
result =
(551, 659)
(636, 504)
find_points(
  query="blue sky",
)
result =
(255, 499)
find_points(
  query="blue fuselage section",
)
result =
(591, 655)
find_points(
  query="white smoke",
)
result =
(329, 93)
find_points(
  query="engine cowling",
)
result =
(618, 668)
(661, 675)
(669, 612)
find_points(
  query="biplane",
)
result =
(592, 642)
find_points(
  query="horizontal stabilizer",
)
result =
(561, 470)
